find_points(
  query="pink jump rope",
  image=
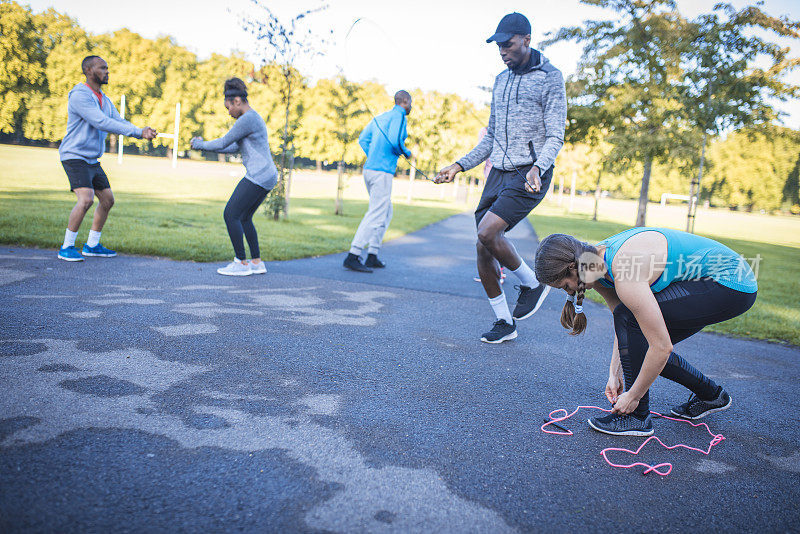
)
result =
(662, 469)
(666, 467)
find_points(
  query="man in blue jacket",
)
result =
(90, 117)
(383, 141)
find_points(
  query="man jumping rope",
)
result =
(528, 116)
(90, 117)
(383, 141)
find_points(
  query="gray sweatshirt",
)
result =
(529, 104)
(248, 136)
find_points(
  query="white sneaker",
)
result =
(259, 268)
(235, 269)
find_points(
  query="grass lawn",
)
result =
(177, 213)
(776, 313)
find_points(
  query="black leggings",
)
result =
(687, 307)
(239, 210)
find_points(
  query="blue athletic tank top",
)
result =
(689, 257)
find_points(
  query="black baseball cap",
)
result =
(511, 25)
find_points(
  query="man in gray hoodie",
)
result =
(523, 137)
(90, 117)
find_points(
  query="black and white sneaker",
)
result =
(623, 425)
(529, 300)
(501, 331)
(697, 408)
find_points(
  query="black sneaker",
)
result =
(697, 408)
(501, 331)
(353, 263)
(374, 262)
(623, 425)
(529, 300)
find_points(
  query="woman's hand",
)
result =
(626, 403)
(614, 387)
(195, 140)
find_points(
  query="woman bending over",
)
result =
(662, 286)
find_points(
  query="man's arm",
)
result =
(401, 140)
(555, 119)
(365, 138)
(84, 106)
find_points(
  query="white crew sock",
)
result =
(69, 238)
(94, 239)
(526, 275)
(500, 307)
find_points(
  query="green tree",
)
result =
(344, 109)
(724, 90)
(284, 46)
(631, 68)
(205, 99)
(22, 53)
(751, 168)
(66, 44)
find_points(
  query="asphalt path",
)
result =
(140, 394)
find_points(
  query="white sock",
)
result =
(526, 275)
(500, 307)
(69, 238)
(237, 260)
(94, 238)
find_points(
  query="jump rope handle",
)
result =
(533, 151)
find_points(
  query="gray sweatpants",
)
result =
(375, 222)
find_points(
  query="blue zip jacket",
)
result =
(382, 153)
(88, 125)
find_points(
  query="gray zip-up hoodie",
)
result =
(88, 123)
(529, 104)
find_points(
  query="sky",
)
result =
(428, 44)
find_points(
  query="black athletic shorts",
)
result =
(82, 174)
(504, 195)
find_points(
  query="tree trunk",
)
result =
(598, 191)
(319, 166)
(572, 191)
(339, 186)
(694, 191)
(641, 212)
(284, 148)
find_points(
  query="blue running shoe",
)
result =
(98, 250)
(69, 254)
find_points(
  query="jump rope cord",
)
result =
(386, 136)
(662, 469)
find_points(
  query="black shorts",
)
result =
(504, 195)
(82, 174)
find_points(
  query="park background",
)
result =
(640, 125)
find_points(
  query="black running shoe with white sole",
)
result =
(529, 300)
(697, 408)
(623, 425)
(501, 331)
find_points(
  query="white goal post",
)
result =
(174, 136)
